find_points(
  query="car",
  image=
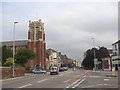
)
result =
(65, 68)
(61, 69)
(38, 71)
(54, 70)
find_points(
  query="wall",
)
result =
(6, 72)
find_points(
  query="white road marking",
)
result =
(61, 75)
(79, 83)
(94, 76)
(69, 72)
(92, 86)
(106, 79)
(25, 86)
(77, 75)
(42, 80)
(96, 85)
(84, 76)
(75, 82)
(67, 80)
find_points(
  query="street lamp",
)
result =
(14, 47)
(94, 53)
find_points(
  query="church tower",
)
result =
(36, 41)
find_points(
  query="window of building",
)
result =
(32, 34)
(113, 65)
(115, 47)
(119, 65)
(115, 53)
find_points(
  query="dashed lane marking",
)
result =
(96, 85)
(24, 86)
(67, 80)
(94, 76)
(42, 80)
(106, 79)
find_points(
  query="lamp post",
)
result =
(94, 53)
(14, 47)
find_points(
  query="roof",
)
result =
(49, 50)
(17, 43)
(116, 42)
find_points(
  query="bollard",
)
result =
(113, 71)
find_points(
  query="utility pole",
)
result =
(14, 48)
(94, 53)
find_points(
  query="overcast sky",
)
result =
(69, 26)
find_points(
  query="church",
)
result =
(36, 42)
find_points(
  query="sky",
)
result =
(69, 25)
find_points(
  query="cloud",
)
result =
(69, 27)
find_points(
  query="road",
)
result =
(100, 79)
(67, 79)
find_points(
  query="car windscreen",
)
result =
(53, 68)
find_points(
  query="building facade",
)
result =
(54, 58)
(36, 42)
(116, 55)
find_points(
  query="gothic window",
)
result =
(32, 34)
(37, 33)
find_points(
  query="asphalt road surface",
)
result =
(67, 79)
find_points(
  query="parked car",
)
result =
(54, 70)
(38, 71)
(65, 68)
(61, 69)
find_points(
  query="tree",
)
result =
(9, 61)
(103, 52)
(88, 62)
(6, 52)
(23, 55)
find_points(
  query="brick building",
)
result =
(36, 42)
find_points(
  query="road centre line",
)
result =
(106, 79)
(67, 80)
(24, 86)
(79, 83)
(61, 75)
(75, 82)
(42, 80)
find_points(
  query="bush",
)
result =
(28, 68)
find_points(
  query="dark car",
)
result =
(61, 69)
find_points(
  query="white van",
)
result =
(54, 70)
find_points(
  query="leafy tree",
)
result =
(6, 52)
(103, 52)
(9, 61)
(23, 55)
(88, 62)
